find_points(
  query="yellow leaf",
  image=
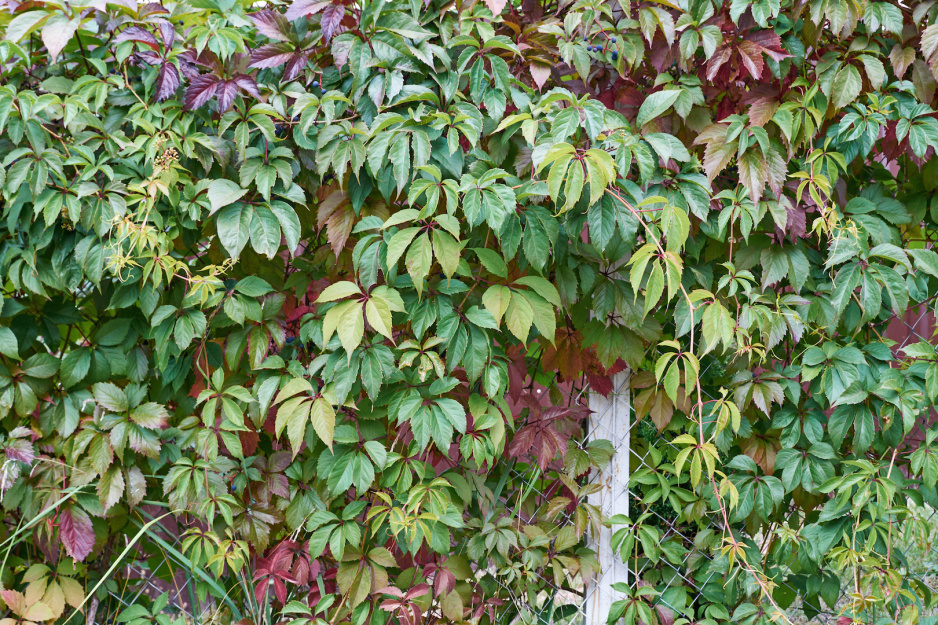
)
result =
(519, 317)
(379, 315)
(72, 590)
(323, 418)
(446, 249)
(496, 300)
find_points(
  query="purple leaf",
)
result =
(151, 8)
(150, 57)
(19, 449)
(271, 24)
(138, 34)
(201, 89)
(279, 461)
(295, 66)
(227, 90)
(168, 33)
(189, 69)
(300, 8)
(331, 18)
(167, 82)
(271, 55)
(76, 532)
(246, 83)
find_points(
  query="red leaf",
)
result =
(167, 82)
(601, 384)
(227, 90)
(295, 66)
(301, 8)
(76, 532)
(167, 34)
(444, 582)
(201, 89)
(138, 34)
(331, 18)
(271, 55)
(271, 24)
(546, 431)
(280, 589)
(770, 43)
(300, 571)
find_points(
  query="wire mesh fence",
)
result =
(676, 562)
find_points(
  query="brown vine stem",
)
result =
(759, 577)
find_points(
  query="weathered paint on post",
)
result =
(611, 421)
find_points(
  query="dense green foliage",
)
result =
(321, 283)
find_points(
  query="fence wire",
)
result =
(680, 570)
(585, 599)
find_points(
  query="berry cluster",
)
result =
(602, 48)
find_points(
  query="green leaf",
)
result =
(846, 86)
(351, 327)
(323, 419)
(339, 290)
(542, 287)
(419, 260)
(519, 317)
(399, 244)
(223, 192)
(23, 24)
(925, 260)
(446, 250)
(233, 224)
(496, 300)
(110, 397)
(492, 261)
(8, 343)
(656, 104)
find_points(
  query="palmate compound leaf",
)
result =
(438, 420)
(425, 111)
(298, 407)
(570, 172)
(347, 318)
(524, 308)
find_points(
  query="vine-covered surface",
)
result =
(314, 280)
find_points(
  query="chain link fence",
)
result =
(680, 556)
(676, 563)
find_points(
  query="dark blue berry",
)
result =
(297, 118)
(585, 39)
(323, 90)
(613, 40)
(290, 340)
(615, 56)
(315, 83)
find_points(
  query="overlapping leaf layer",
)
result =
(320, 283)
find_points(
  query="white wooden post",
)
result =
(610, 421)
